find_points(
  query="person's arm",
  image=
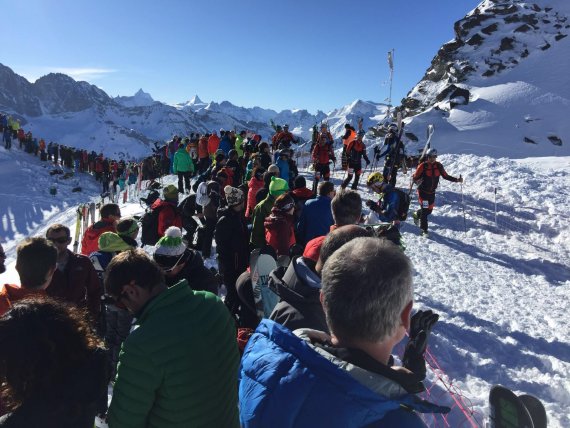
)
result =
(135, 388)
(419, 172)
(447, 176)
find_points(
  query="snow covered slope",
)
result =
(501, 87)
(500, 279)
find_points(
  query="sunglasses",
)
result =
(170, 269)
(61, 240)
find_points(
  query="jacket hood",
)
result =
(303, 193)
(297, 282)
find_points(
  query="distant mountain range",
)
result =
(500, 87)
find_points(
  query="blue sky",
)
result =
(288, 54)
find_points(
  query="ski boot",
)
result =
(424, 234)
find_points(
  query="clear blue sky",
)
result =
(273, 54)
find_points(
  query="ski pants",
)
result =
(323, 171)
(352, 171)
(390, 171)
(183, 180)
(427, 202)
(208, 236)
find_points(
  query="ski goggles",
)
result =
(287, 207)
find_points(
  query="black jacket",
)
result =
(198, 276)
(232, 241)
(298, 287)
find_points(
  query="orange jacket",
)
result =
(351, 136)
(10, 294)
(213, 144)
(203, 148)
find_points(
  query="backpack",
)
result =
(404, 204)
(149, 227)
(152, 196)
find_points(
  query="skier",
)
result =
(349, 135)
(427, 178)
(322, 155)
(394, 153)
(355, 151)
(387, 208)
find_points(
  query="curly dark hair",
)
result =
(42, 343)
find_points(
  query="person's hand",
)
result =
(371, 204)
(421, 324)
(460, 180)
(422, 320)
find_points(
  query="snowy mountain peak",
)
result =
(139, 99)
(195, 100)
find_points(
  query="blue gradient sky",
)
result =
(288, 54)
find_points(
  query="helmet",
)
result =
(286, 126)
(431, 152)
(373, 178)
(393, 127)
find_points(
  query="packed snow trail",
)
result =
(501, 288)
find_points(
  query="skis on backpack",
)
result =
(400, 123)
(510, 411)
(429, 132)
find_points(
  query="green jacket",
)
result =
(260, 212)
(182, 161)
(179, 368)
(239, 145)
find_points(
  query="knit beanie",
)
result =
(278, 186)
(170, 192)
(126, 226)
(234, 196)
(111, 242)
(170, 247)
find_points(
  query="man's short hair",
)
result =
(109, 209)
(55, 228)
(126, 226)
(132, 265)
(34, 259)
(346, 207)
(366, 284)
(337, 238)
(325, 187)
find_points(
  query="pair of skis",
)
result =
(85, 212)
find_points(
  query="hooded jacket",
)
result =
(254, 185)
(90, 241)
(168, 215)
(279, 231)
(231, 241)
(288, 380)
(298, 287)
(182, 161)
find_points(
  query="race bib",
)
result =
(425, 204)
(351, 170)
(317, 175)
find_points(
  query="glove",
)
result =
(421, 324)
(372, 205)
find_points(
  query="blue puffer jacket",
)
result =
(316, 219)
(283, 165)
(390, 204)
(285, 383)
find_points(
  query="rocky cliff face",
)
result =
(493, 38)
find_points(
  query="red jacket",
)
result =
(77, 284)
(10, 294)
(429, 174)
(213, 144)
(90, 241)
(322, 154)
(254, 185)
(167, 216)
(203, 148)
(279, 231)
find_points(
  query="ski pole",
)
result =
(463, 205)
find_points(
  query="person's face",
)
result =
(60, 239)
(133, 297)
(2, 259)
(432, 159)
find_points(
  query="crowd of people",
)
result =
(184, 345)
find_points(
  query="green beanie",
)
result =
(111, 242)
(278, 186)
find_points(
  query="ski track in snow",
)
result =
(501, 287)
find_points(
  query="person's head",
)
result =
(284, 203)
(169, 252)
(170, 193)
(233, 154)
(326, 188)
(286, 127)
(132, 278)
(234, 197)
(274, 169)
(346, 207)
(299, 182)
(242, 133)
(431, 155)
(360, 135)
(374, 276)
(2, 259)
(36, 260)
(376, 182)
(263, 147)
(60, 236)
(258, 172)
(128, 227)
(323, 127)
(336, 239)
(284, 154)
(43, 341)
(278, 186)
(110, 212)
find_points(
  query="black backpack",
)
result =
(149, 227)
(404, 204)
(152, 196)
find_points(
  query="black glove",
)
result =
(371, 204)
(420, 327)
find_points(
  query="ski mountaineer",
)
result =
(387, 209)
(355, 151)
(394, 153)
(349, 135)
(285, 137)
(346, 378)
(427, 178)
(322, 154)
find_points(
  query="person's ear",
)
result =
(406, 315)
